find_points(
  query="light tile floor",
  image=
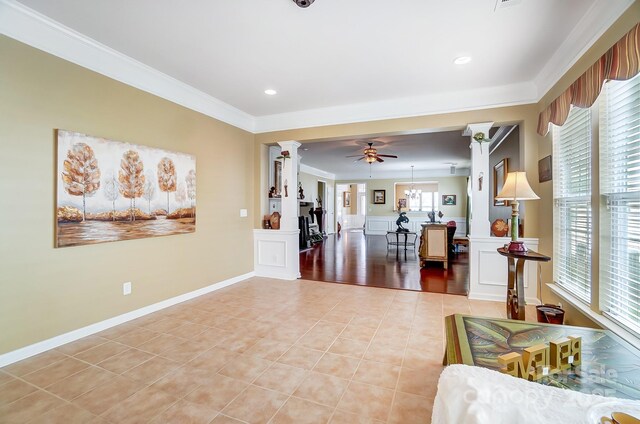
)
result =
(261, 351)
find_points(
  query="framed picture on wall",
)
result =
(402, 204)
(449, 199)
(277, 176)
(379, 197)
(499, 176)
(545, 172)
(346, 199)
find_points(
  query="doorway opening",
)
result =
(352, 206)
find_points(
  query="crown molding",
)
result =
(316, 172)
(598, 19)
(433, 104)
(376, 174)
(30, 27)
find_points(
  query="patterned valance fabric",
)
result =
(620, 62)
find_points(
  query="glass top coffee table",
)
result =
(610, 366)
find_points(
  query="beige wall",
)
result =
(509, 149)
(310, 187)
(45, 291)
(354, 199)
(545, 190)
(446, 185)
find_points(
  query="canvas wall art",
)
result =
(111, 191)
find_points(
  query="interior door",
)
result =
(331, 208)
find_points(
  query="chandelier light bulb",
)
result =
(412, 193)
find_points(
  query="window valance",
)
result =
(620, 62)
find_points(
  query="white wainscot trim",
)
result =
(489, 270)
(379, 225)
(39, 347)
(276, 254)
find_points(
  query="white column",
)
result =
(289, 219)
(276, 252)
(480, 187)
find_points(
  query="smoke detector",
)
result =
(501, 4)
(304, 3)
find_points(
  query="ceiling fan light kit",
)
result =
(370, 155)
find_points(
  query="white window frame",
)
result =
(596, 309)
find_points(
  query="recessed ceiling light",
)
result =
(270, 92)
(462, 60)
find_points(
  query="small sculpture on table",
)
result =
(300, 191)
(432, 216)
(272, 192)
(402, 219)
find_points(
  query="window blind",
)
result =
(620, 191)
(572, 204)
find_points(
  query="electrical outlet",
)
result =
(243, 213)
(126, 288)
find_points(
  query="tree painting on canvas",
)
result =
(110, 191)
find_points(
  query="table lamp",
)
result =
(516, 188)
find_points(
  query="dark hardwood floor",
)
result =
(353, 258)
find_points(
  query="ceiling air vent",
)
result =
(500, 4)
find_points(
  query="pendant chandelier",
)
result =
(412, 193)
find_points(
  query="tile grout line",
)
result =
(368, 346)
(404, 354)
(244, 302)
(316, 363)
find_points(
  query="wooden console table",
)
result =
(515, 287)
(434, 244)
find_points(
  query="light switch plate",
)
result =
(126, 288)
(243, 213)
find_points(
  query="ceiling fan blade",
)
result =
(358, 160)
(379, 160)
(388, 156)
(353, 156)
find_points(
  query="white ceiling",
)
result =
(338, 60)
(431, 154)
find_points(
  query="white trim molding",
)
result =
(598, 319)
(48, 344)
(316, 172)
(276, 253)
(378, 225)
(589, 29)
(35, 29)
(433, 104)
(488, 270)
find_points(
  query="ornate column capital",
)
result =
(473, 129)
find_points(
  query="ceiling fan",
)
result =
(371, 155)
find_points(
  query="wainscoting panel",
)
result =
(489, 270)
(379, 225)
(272, 253)
(275, 254)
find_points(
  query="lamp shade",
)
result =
(516, 188)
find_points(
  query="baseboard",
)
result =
(39, 347)
(499, 298)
